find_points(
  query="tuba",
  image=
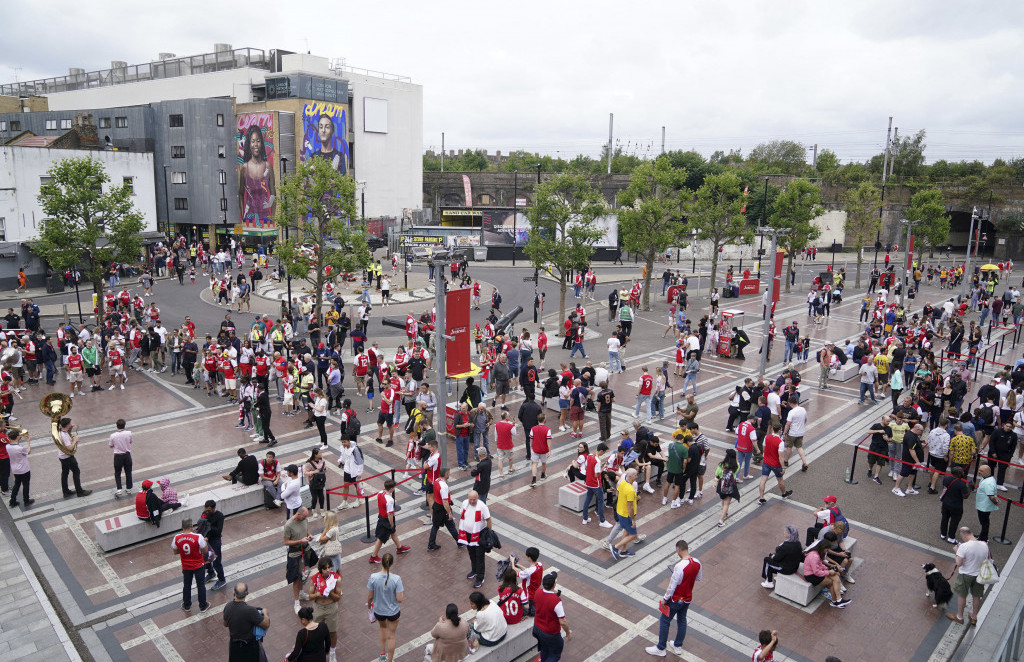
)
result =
(56, 406)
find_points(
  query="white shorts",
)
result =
(116, 369)
(288, 399)
(230, 384)
(539, 458)
(679, 365)
(75, 376)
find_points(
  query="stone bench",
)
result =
(517, 642)
(127, 529)
(845, 372)
(572, 496)
(797, 589)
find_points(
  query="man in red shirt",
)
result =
(676, 601)
(386, 521)
(75, 370)
(361, 368)
(386, 417)
(771, 463)
(643, 398)
(115, 359)
(549, 620)
(540, 437)
(192, 549)
(441, 512)
(504, 431)
(542, 346)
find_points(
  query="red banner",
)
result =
(457, 327)
(469, 190)
(780, 258)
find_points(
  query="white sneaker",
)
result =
(118, 493)
(898, 492)
(675, 650)
(278, 502)
(586, 521)
(1001, 488)
(647, 488)
(655, 651)
(912, 491)
(111, 388)
(767, 584)
(122, 387)
(664, 500)
(72, 394)
(676, 503)
(689, 502)
(698, 495)
(297, 606)
(606, 525)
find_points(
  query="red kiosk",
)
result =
(730, 318)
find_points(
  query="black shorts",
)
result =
(907, 469)
(814, 579)
(349, 479)
(294, 570)
(702, 469)
(92, 372)
(384, 530)
(381, 618)
(501, 388)
(938, 463)
(675, 479)
(385, 419)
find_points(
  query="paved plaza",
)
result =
(125, 604)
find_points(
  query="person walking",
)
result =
(796, 426)
(240, 618)
(121, 442)
(868, 380)
(691, 370)
(386, 529)
(474, 519)
(263, 409)
(214, 533)
(296, 538)
(626, 515)
(970, 554)
(191, 547)
(385, 594)
(18, 448)
(605, 398)
(771, 463)
(955, 491)
(441, 512)
(675, 603)
(549, 620)
(645, 389)
(325, 592)
(68, 462)
(312, 641)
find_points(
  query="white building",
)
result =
(23, 171)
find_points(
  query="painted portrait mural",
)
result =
(325, 134)
(256, 189)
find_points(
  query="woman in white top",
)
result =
(563, 404)
(290, 490)
(351, 462)
(331, 541)
(525, 348)
(320, 415)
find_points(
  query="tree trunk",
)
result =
(789, 269)
(562, 286)
(647, 280)
(860, 261)
(714, 267)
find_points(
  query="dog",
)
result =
(938, 587)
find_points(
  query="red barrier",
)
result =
(334, 490)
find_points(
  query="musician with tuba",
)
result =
(64, 434)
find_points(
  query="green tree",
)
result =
(794, 209)
(827, 162)
(862, 205)
(927, 208)
(320, 203)
(907, 154)
(714, 212)
(79, 213)
(563, 227)
(650, 214)
(779, 156)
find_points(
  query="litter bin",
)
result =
(55, 284)
(479, 253)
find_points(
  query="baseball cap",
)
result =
(146, 484)
(831, 499)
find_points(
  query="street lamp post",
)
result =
(515, 209)
(906, 273)
(774, 233)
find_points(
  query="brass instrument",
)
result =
(56, 406)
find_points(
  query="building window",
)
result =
(220, 119)
(15, 125)
(221, 152)
(51, 125)
(43, 181)
(3, 126)
(65, 124)
(180, 204)
(177, 120)
(3, 229)
(179, 178)
(177, 151)
(223, 204)
(104, 122)
(120, 122)
(130, 183)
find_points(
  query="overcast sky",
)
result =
(543, 76)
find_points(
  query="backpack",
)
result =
(727, 483)
(354, 426)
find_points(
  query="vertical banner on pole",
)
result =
(777, 277)
(457, 327)
(468, 189)
(910, 255)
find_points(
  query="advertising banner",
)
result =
(468, 190)
(255, 157)
(325, 134)
(457, 356)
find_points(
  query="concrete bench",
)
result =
(572, 496)
(517, 642)
(127, 529)
(845, 372)
(794, 587)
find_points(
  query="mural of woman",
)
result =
(256, 190)
(325, 131)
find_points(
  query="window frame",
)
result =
(181, 204)
(104, 123)
(121, 122)
(176, 120)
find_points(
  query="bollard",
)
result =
(368, 538)
(327, 497)
(853, 466)
(1001, 538)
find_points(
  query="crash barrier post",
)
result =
(339, 491)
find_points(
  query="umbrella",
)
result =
(990, 267)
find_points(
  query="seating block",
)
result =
(517, 642)
(127, 529)
(794, 587)
(845, 372)
(571, 496)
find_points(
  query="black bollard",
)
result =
(368, 538)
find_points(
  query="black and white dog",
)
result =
(938, 587)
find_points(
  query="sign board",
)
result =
(457, 355)
(749, 286)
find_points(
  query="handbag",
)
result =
(988, 574)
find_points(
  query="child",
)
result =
(530, 576)
(170, 496)
(727, 488)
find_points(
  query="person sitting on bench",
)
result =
(820, 571)
(785, 560)
(149, 507)
(837, 553)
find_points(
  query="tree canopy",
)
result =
(714, 212)
(928, 209)
(319, 203)
(863, 220)
(85, 224)
(794, 209)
